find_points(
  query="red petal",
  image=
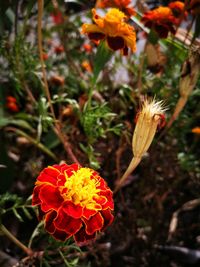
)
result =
(115, 43)
(82, 237)
(35, 197)
(94, 224)
(75, 211)
(61, 180)
(70, 169)
(88, 213)
(60, 235)
(49, 225)
(50, 197)
(41, 214)
(67, 223)
(49, 175)
(100, 200)
(109, 204)
(108, 218)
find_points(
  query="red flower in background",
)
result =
(123, 5)
(57, 17)
(11, 104)
(178, 10)
(59, 49)
(161, 20)
(73, 201)
(87, 48)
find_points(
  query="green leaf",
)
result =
(27, 213)
(18, 216)
(101, 58)
(153, 37)
(10, 14)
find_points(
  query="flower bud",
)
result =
(148, 120)
(190, 72)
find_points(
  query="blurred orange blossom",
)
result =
(123, 5)
(161, 20)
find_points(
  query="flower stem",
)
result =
(34, 142)
(179, 106)
(7, 233)
(133, 164)
(58, 128)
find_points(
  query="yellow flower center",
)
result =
(82, 188)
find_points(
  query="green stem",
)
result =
(18, 243)
(34, 142)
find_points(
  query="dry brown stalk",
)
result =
(58, 127)
(189, 76)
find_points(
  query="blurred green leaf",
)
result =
(102, 56)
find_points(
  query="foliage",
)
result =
(76, 114)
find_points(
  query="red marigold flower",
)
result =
(11, 104)
(45, 56)
(57, 17)
(11, 99)
(87, 47)
(161, 20)
(178, 9)
(73, 201)
(122, 5)
(59, 49)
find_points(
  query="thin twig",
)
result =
(7, 233)
(57, 129)
(34, 142)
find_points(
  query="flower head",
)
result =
(122, 5)
(178, 9)
(196, 130)
(11, 104)
(161, 20)
(87, 48)
(73, 201)
(59, 49)
(112, 28)
(57, 17)
(148, 120)
(86, 66)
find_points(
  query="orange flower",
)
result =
(178, 9)
(11, 104)
(73, 201)
(86, 65)
(161, 20)
(123, 5)
(87, 48)
(196, 130)
(112, 28)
